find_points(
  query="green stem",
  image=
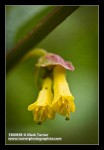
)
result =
(43, 28)
(35, 52)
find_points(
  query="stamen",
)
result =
(68, 107)
(67, 118)
(62, 109)
(63, 101)
(36, 109)
(39, 122)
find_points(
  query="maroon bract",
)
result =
(51, 59)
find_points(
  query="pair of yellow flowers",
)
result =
(59, 101)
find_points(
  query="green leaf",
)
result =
(20, 20)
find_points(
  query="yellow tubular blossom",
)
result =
(63, 100)
(41, 108)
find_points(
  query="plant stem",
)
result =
(43, 28)
(33, 53)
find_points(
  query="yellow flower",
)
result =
(41, 108)
(63, 100)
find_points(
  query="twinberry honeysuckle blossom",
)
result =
(63, 101)
(41, 108)
(59, 100)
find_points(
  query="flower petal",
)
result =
(31, 107)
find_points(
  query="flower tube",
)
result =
(41, 108)
(63, 101)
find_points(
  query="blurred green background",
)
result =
(76, 40)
